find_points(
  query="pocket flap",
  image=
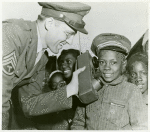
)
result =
(118, 103)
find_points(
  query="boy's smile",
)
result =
(107, 75)
(67, 65)
(110, 64)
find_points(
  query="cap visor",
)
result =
(82, 30)
(114, 48)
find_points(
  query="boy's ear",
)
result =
(124, 64)
(49, 22)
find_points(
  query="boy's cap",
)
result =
(110, 41)
(71, 13)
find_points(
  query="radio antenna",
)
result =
(79, 43)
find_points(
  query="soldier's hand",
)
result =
(73, 87)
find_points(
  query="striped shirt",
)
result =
(119, 107)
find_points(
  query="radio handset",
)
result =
(88, 84)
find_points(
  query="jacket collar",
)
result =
(115, 82)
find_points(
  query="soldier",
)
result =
(24, 44)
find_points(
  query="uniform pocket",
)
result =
(116, 112)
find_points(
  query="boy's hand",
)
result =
(73, 87)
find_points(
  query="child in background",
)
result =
(59, 78)
(56, 80)
(120, 105)
(67, 61)
(137, 68)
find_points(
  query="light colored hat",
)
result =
(110, 41)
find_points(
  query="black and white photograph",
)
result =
(75, 65)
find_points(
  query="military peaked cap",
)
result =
(71, 13)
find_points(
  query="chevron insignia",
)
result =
(9, 63)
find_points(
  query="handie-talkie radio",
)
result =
(89, 84)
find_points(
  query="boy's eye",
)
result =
(69, 61)
(62, 84)
(133, 74)
(113, 62)
(101, 62)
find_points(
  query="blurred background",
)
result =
(126, 18)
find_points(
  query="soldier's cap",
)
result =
(71, 13)
(111, 41)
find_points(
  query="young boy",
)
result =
(120, 105)
(67, 61)
(137, 68)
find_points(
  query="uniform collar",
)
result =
(115, 82)
(41, 44)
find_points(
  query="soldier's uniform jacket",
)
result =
(119, 107)
(19, 54)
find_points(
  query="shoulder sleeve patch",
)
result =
(9, 63)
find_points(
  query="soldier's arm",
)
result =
(137, 111)
(34, 102)
(6, 94)
(9, 60)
